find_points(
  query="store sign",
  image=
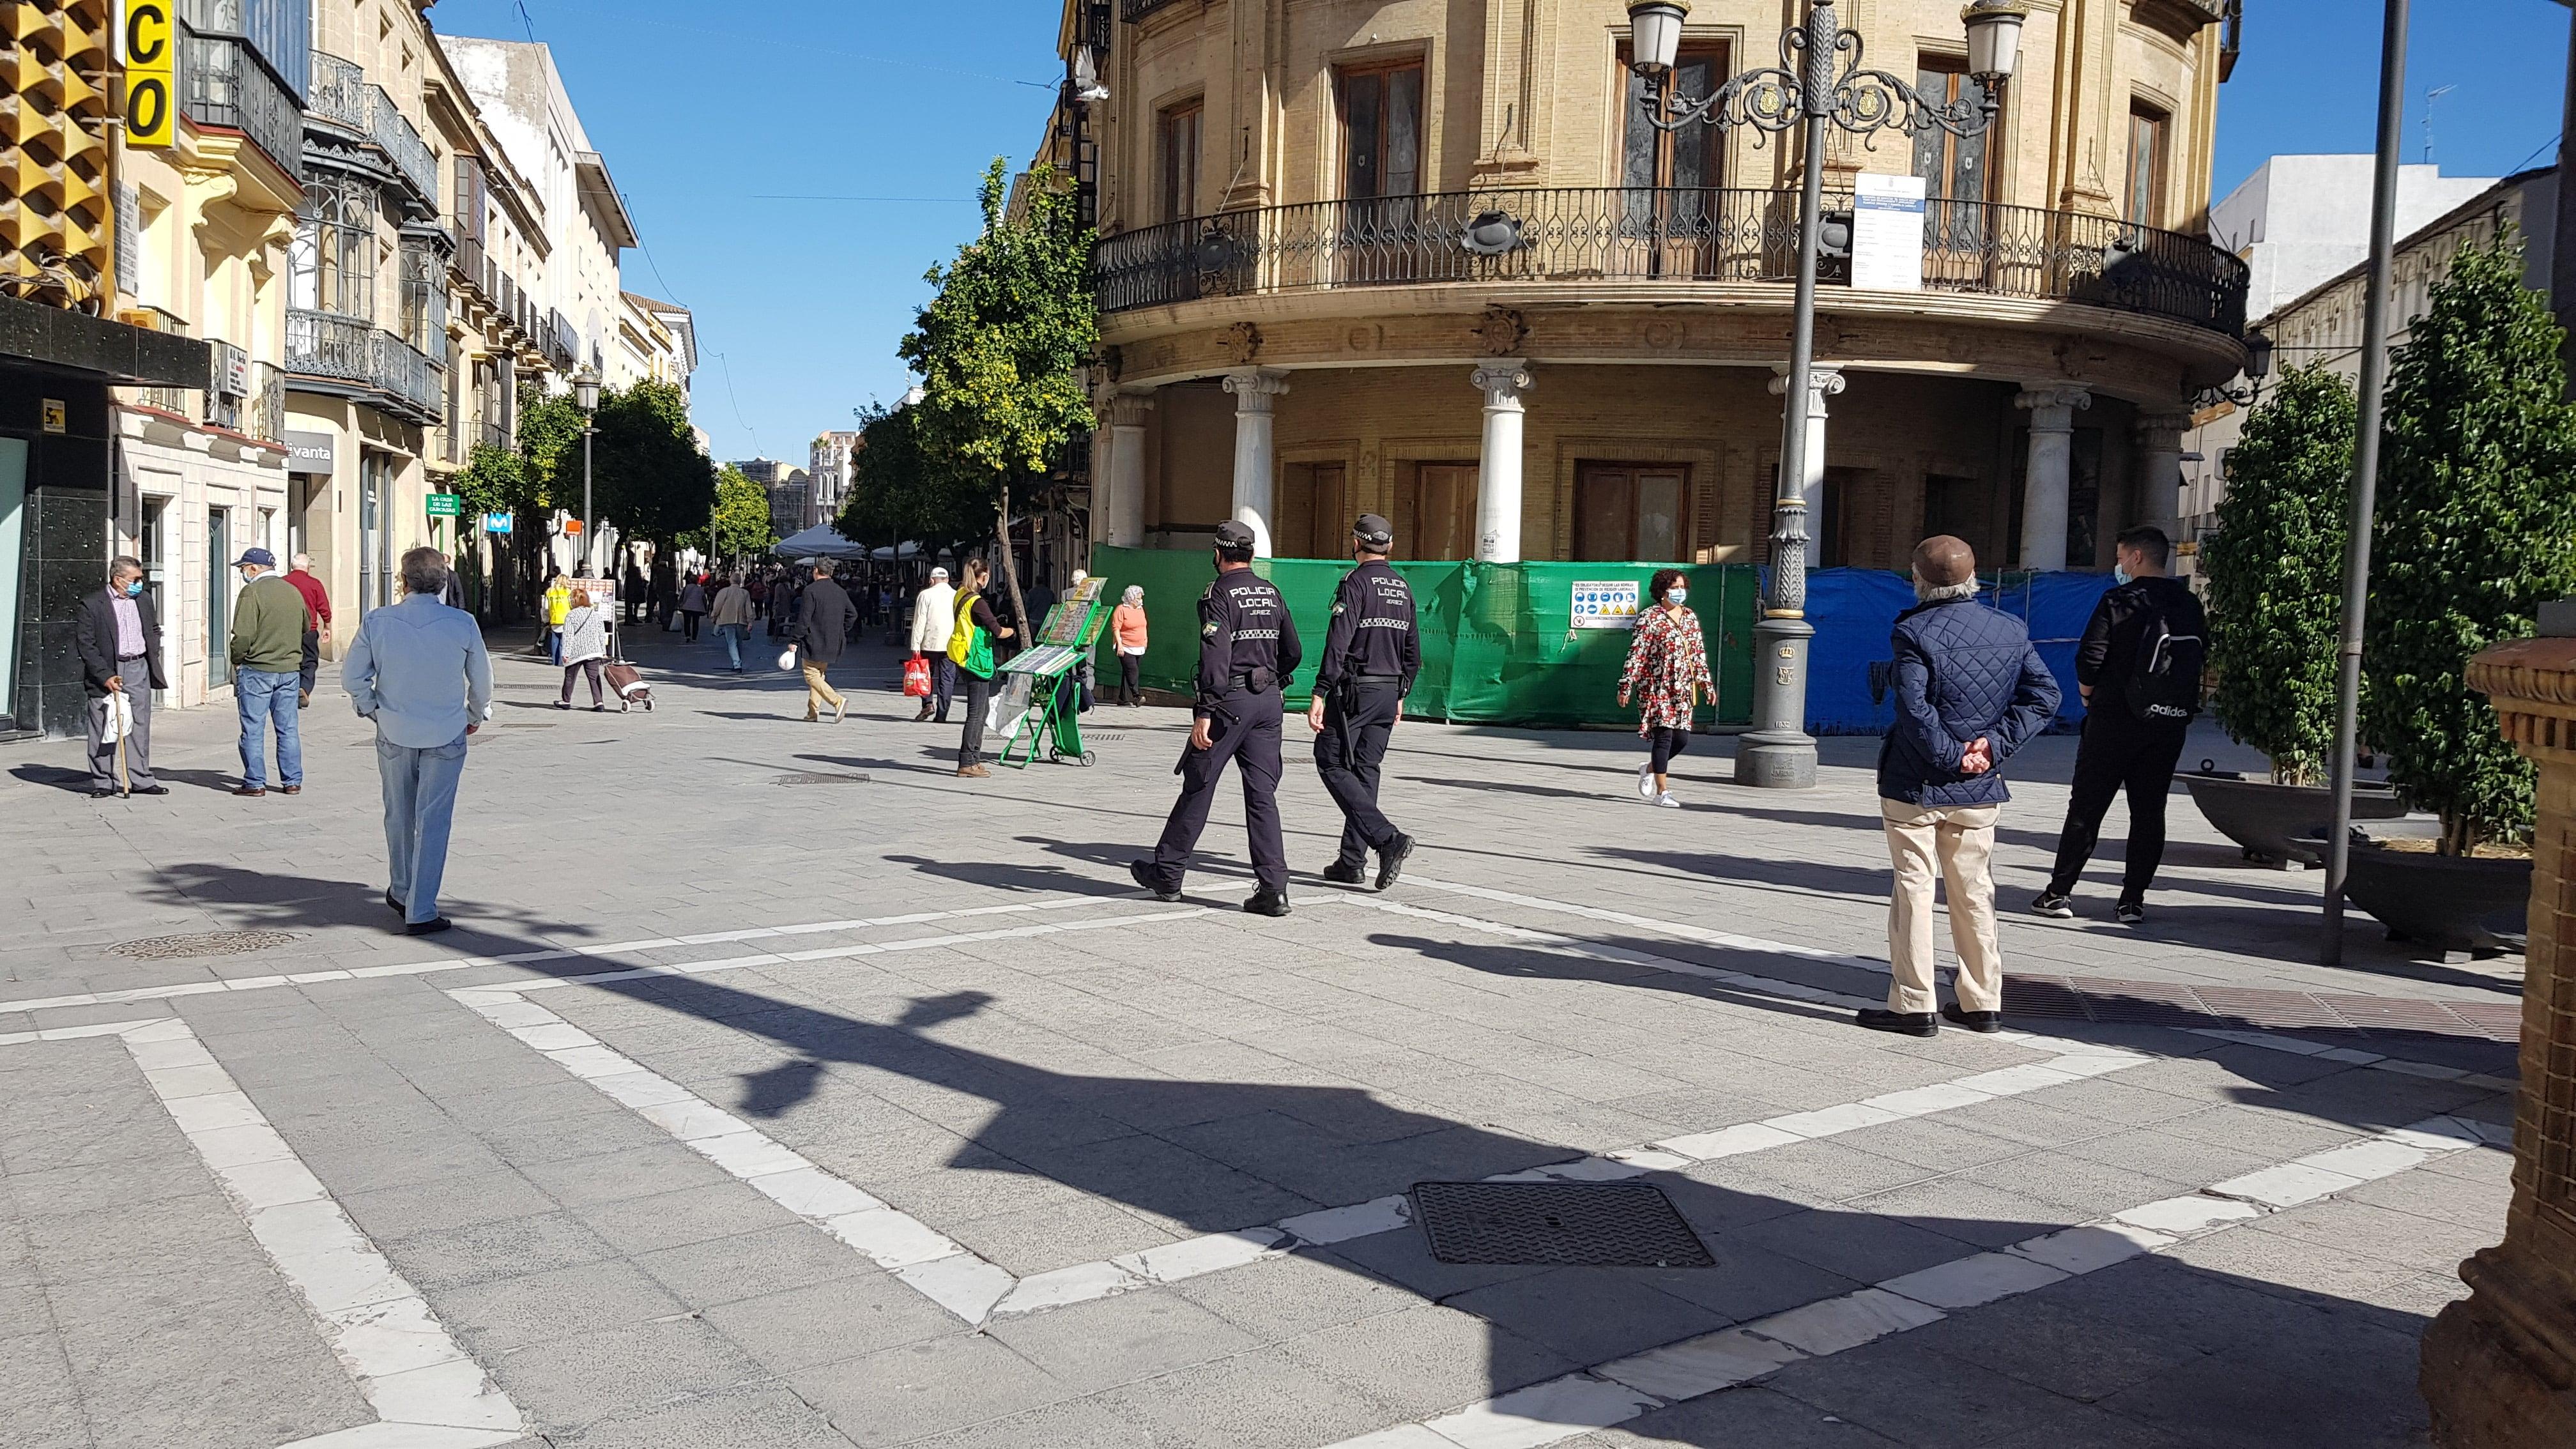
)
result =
(311, 452)
(151, 54)
(58, 418)
(444, 505)
(496, 523)
(1606, 604)
(1887, 233)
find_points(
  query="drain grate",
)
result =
(1583, 1224)
(815, 779)
(212, 943)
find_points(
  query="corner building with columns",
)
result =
(1434, 261)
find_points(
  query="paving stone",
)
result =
(1121, 1339)
(901, 1394)
(1749, 1416)
(765, 1416)
(496, 1317)
(492, 1251)
(573, 1382)
(1264, 1399)
(690, 1215)
(830, 1321)
(751, 1265)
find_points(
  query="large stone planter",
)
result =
(2499, 1366)
(2268, 820)
(2436, 900)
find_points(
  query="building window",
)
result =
(2147, 129)
(219, 595)
(1631, 512)
(1956, 179)
(424, 299)
(1693, 156)
(1176, 159)
(1381, 131)
(332, 265)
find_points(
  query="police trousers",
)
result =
(1357, 720)
(1245, 729)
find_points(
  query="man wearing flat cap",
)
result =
(1970, 690)
(1371, 654)
(1247, 649)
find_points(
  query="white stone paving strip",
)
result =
(557, 953)
(1799, 991)
(427, 1393)
(974, 1289)
(1625, 1388)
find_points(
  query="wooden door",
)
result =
(1314, 511)
(1437, 516)
(1632, 512)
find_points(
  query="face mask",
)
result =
(134, 589)
(1677, 596)
(2120, 574)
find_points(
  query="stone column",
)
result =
(1498, 471)
(2499, 1366)
(1824, 380)
(2159, 440)
(1255, 458)
(1121, 516)
(2052, 450)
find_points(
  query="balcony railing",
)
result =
(360, 356)
(222, 84)
(1640, 234)
(342, 96)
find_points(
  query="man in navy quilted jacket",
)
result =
(1970, 690)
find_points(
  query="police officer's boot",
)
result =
(1145, 876)
(1390, 860)
(1267, 902)
(1340, 874)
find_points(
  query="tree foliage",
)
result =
(2276, 572)
(900, 491)
(493, 480)
(651, 480)
(742, 518)
(2476, 528)
(549, 440)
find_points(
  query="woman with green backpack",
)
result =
(970, 646)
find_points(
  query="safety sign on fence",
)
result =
(1605, 604)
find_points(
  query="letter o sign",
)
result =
(151, 63)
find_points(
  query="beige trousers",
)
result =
(818, 691)
(1961, 839)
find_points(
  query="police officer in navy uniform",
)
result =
(1371, 654)
(1247, 649)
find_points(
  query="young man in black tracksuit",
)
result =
(2121, 750)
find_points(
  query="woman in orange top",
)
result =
(1127, 626)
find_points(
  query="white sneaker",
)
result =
(1668, 801)
(1646, 781)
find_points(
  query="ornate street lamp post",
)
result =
(585, 395)
(1819, 81)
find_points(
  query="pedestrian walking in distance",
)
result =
(418, 670)
(2139, 672)
(585, 648)
(693, 607)
(822, 627)
(317, 623)
(934, 618)
(972, 636)
(118, 638)
(1667, 670)
(1127, 629)
(267, 652)
(1970, 690)
(732, 619)
(1371, 654)
(1247, 649)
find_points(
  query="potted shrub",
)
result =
(2275, 569)
(2476, 529)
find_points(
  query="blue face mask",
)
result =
(1677, 596)
(134, 588)
(2120, 574)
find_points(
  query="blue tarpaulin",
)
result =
(1854, 609)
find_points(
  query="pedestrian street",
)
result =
(778, 1087)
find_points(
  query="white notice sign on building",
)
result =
(1887, 233)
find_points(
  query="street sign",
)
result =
(444, 505)
(1887, 233)
(572, 528)
(496, 523)
(1605, 604)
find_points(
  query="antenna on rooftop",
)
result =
(2435, 94)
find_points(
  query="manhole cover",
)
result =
(212, 943)
(814, 779)
(1584, 1224)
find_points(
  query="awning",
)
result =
(820, 541)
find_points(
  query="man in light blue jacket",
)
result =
(419, 671)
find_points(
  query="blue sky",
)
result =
(708, 113)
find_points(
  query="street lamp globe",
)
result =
(1655, 33)
(585, 390)
(2258, 355)
(1994, 38)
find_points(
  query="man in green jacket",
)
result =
(267, 658)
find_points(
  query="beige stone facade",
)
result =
(1285, 194)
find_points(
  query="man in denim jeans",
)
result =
(267, 652)
(419, 671)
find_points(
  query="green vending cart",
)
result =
(1035, 699)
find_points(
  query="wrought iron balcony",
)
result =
(357, 357)
(1592, 235)
(222, 83)
(342, 96)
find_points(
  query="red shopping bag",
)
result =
(916, 678)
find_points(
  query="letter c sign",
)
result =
(151, 70)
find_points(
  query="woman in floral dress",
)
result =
(1667, 669)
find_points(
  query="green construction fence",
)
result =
(1498, 646)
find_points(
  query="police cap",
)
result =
(1374, 531)
(1232, 534)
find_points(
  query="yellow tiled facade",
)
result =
(1284, 193)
